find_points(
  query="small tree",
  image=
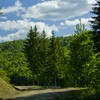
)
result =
(80, 28)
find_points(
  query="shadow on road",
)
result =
(42, 96)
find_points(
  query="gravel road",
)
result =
(43, 94)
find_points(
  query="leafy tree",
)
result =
(19, 73)
(80, 53)
(94, 72)
(3, 68)
(96, 26)
(13, 63)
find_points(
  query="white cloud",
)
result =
(20, 34)
(22, 27)
(55, 10)
(14, 25)
(16, 8)
(58, 9)
(4, 17)
(91, 1)
(73, 23)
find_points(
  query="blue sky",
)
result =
(58, 15)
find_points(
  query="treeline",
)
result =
(54, 64)
(46, 58)
(13, 64)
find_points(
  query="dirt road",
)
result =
(43, 94)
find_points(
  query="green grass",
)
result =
(80, 95)
(6, 90)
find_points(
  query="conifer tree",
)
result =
(31, 50)
(43, 50)
(56, 61)
(96, 26)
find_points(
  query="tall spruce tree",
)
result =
(96, 26)
(43, 50)
(31, 50)
(56, 59)
(50, 69)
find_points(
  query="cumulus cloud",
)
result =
(22, 27)
(16, 8)
(73, 23)
(58, 9)
(55, 10)
(20, 34)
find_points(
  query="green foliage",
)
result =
(3, 75)
(32, 53)
(13, 63)
(3, 68)
(45, 57)
(31, 50)
(80, 53)
(55, 62)
(94, 72)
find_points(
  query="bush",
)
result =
(3, 75)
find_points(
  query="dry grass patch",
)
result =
(6, 90)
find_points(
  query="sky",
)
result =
(59, 15)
